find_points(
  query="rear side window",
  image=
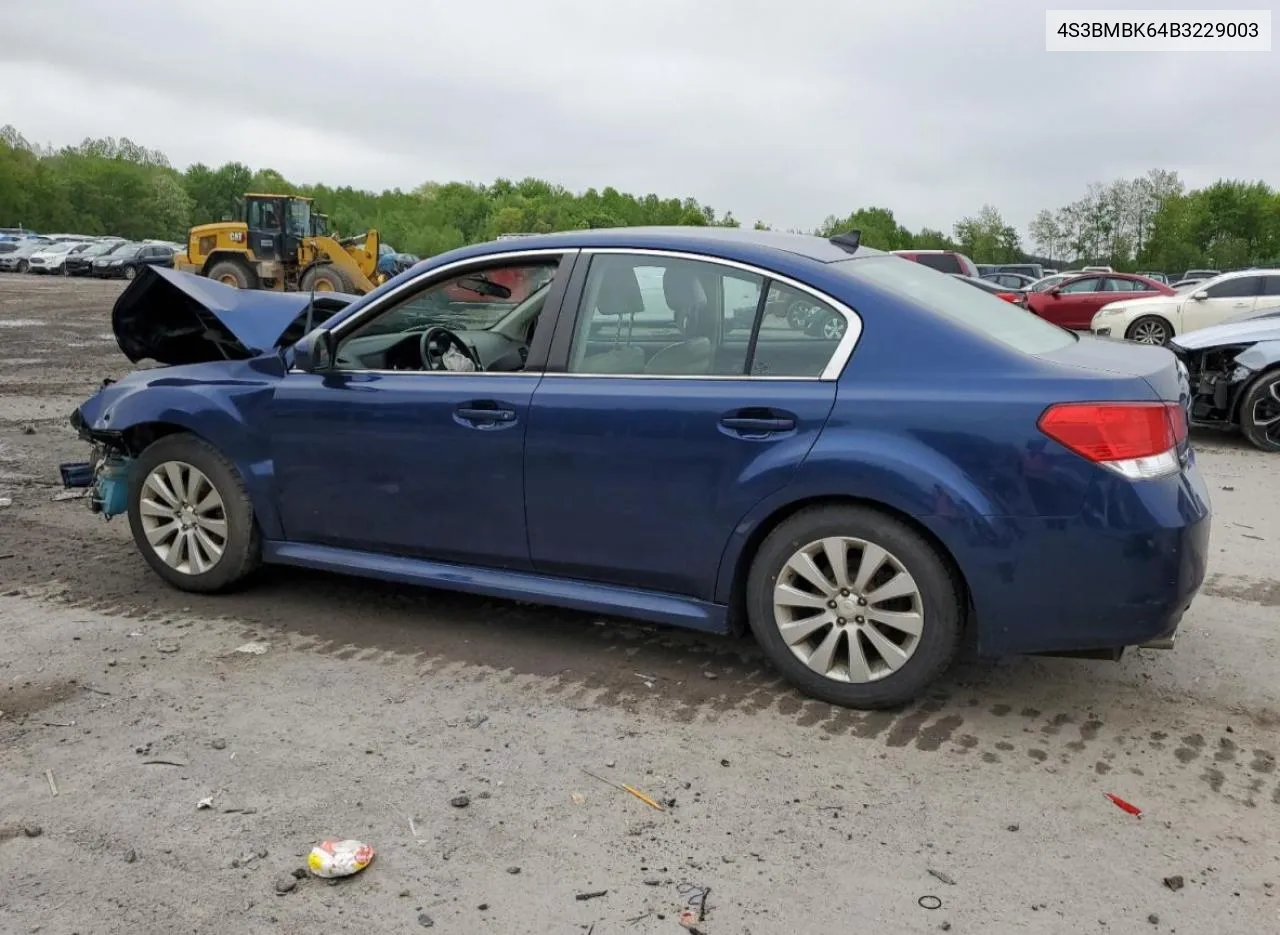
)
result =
(957, 300)
(942, 262)
(1271, 284)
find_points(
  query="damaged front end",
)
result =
(201, 333)
(1224, 361)
(106, 475)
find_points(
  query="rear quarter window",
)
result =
(961, 302)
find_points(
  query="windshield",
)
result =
(944, 295)
(128, 249)
(1189, 287)
(56, 248)
(99, 249)
(299, 218)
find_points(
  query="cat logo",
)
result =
(237, 236)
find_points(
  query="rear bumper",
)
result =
(1120, 574)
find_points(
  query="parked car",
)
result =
(944, 261)
(1182, 284)
(1010, 280)
(1016, 296)
(17, 260)
(52, 257)
(1158, 277)
(126, 261)
(1157, 319)
(1074, 302)
(1234, 371)
(1032, 271)
(984, 268)
(1097, 269)
(1201, 273)
(859, 504)
(81, 264)
(1051, 280)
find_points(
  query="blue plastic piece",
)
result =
(111, 486)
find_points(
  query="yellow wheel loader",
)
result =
(281, 245)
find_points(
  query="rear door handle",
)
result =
(744, 424)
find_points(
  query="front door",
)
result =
(265, 219)
(668, 425)
(1071, 305)
(1225, 299)
(386, 454)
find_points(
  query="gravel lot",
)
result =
(374, 706)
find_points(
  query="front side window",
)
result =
(650, 315)
(1081, 285)
(482, 320)
(1238, 288)
(1271, 285)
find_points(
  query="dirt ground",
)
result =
(374, 707)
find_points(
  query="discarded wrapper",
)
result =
(339, 858)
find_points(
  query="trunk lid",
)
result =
(1155, 371)
(181, 318)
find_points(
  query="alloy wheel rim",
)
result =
(848, 609)
(1149, 332)
(833, 328)
(1266, 413)
(183, 517)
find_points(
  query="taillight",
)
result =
(1138, 440)
(1007, 296)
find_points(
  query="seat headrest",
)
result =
(619, 293)
(682, 289)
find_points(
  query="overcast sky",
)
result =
(783, 110)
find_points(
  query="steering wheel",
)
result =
(434, 360)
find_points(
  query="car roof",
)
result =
(709, 240)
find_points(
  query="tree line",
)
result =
(111, 186)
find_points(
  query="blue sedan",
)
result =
(609, 420)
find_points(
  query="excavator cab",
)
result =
(319, 224)
(277, 225)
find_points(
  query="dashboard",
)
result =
(495, 352)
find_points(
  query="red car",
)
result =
(1073, 303)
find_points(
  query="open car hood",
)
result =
(182, 318)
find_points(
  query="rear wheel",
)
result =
(325, 278)
(1260, 412)
(1150, 329)
(22, 266)
(190, 515)
(854, 607)
(233, 273)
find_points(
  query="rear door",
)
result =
(666, 414)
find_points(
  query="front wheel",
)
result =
(1150, 329)
(854, 607)
(325, 277)
(130, 272)
(191, 517)
(1260, 412)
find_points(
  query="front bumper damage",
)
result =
(106, 476)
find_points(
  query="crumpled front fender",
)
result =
(223, 414)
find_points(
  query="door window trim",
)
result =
(428, 278)
(568, 319)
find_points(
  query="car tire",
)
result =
(1262, 395)
(1149, 329)
(22, 266)
(130, 272)
(325, 277)
(233, 273)
(799, 314)
(873, 675)
(223, 544)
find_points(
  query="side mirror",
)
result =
(314, 352)
(1200, 296)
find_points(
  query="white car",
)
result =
(53, 258)
(1156, 319)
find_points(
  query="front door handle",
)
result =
(484, 414)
